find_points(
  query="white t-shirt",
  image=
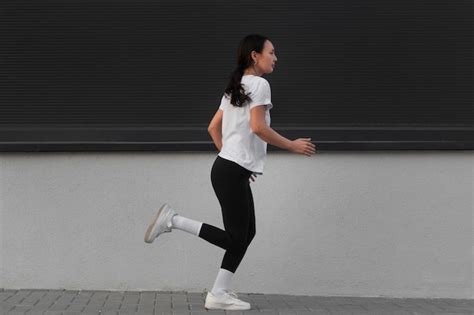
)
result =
(239, 143)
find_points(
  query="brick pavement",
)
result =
(66, 302)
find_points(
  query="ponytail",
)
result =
(234, 89)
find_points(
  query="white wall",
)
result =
(388, 223)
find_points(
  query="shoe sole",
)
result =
(228, 308)
(152, 224)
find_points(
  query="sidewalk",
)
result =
(158, 302)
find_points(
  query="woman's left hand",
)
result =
(253, 176)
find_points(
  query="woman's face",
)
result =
(267, 59)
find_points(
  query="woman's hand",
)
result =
(253, 176)
(303, 146)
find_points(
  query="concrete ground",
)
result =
(187, 303)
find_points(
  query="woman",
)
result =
(240, 130)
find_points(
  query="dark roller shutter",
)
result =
(149, 75)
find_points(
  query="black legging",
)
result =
(232, 187)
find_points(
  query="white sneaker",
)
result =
(226, 301)
(160, 223)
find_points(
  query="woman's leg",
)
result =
(236, 215)
(231, 185)
(211, 233)
(215, 235)
(252, 229)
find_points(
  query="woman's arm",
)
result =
(215, 129)
(267, 134)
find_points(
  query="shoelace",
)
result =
(232, 293)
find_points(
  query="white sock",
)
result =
(222, 282)
(187, 225)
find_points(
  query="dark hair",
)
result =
(244, 60)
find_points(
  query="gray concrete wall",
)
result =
(386, 223)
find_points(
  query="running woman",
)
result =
(240, 129)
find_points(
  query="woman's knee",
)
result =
(239, 243)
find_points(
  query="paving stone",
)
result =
(304, 312)
(6, 307)
(131, 299)
(59, 307)
(92, 309)
(321, 311)
(38, 309)
(145, 310)
(75, 308)
(5, 295)
(72, 302)
(163, 303)
(458, 310)
(196, 306)
(111, 305)
(163, 308)
(128, 308)
(21, 309)
(17, 297)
